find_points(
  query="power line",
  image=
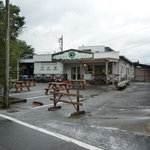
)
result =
(119, 37)
(136, 46)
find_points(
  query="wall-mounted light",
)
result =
(84, 65)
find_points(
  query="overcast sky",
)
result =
(123, 25)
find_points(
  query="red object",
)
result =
(37, 103)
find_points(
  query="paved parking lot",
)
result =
(17, 136)
(113, 119)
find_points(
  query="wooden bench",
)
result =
(58, 95)
(122, 85)
(77, 83)
(22, 86)
(30, 81)
(66, 94)
(64, 101)
(57, 89)
(47, 89)
(57, 86)
(13, 100)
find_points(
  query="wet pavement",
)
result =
(114, 120)
(128, 110)
(18, 137)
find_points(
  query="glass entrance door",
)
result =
(75, 73)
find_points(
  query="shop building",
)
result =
(97, 64)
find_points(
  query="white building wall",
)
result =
(116, 67)
(42, 57)
(126, 71)
(122, 70)
(48, 68)
(132, 72)
(107, 55)
(97, 48)
(43, 65)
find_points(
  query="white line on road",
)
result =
(60, 136)
(25, 93)
(36, 97)
(43, 106)
(49, 105)
(46, 105)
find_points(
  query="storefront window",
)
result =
(99, 70)
(90, 69)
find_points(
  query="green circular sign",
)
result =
(71, 54)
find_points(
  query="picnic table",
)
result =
(20, 85)
(57, 86)
(77, 83)
(56, 98)
(29, 81)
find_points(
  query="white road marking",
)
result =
(25, 93)
(49, 105)
(60, 136)
(36, 97)
(42, 106)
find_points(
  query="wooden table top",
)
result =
(58, 83)
(28, 79)
(76, 80)
(18, 81)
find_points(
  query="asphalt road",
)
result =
(17, 137)
(114, 120)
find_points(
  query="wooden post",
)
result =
(17, 70)
(113, 73)
(81, 70)
(55, 103)
(54, 96)
(144, 74)
(93, 70)
(119, 72)
(78, 107)
(106, 71)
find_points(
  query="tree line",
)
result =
(18, 49)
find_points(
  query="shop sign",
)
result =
(48, 68)
(87, 77)
(72, 54)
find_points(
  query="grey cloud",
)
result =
(84, 22)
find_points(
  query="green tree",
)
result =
(2, 41)
(26, 51)
(16, 22)
(18, 49)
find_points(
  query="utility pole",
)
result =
(61, 43)
(7, 40)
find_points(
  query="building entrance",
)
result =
(75, 73)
